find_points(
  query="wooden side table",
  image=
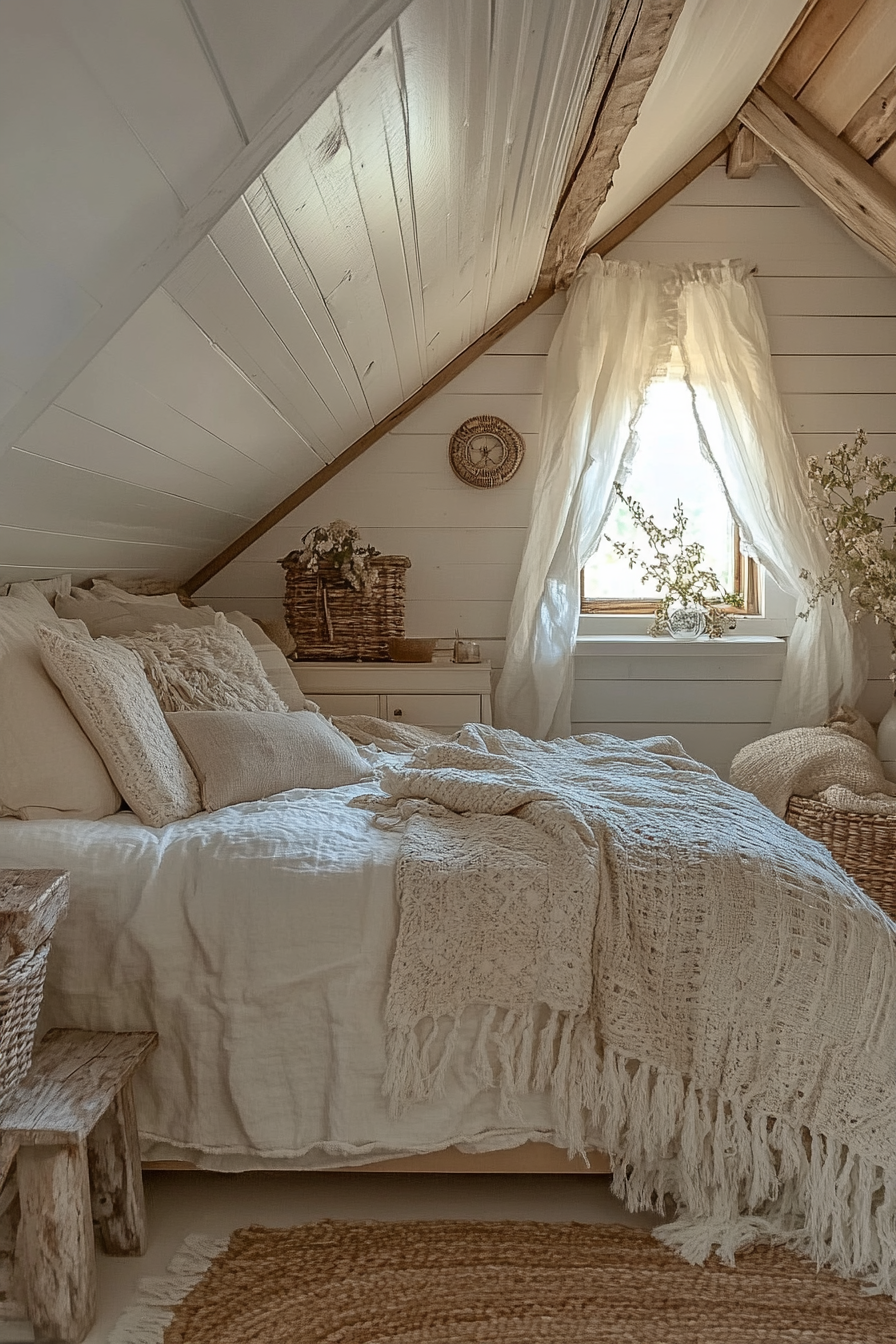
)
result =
(72, 1123)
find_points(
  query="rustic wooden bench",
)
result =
(72, 1127)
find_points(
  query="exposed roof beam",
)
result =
(746, 153)
(323, 65)
(857, 194)
(344, 459)
(875, 122)
(633, 45)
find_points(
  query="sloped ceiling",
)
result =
(408, 213)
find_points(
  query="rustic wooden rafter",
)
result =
(874, 125)
(633, 46)
(746, 153)
(857, 194)
(816, 33)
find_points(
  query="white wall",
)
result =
(831, 309)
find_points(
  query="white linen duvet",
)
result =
(257, 942)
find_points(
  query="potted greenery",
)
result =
(691, 596)
(861, 544)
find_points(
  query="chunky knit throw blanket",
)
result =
(695, 983)
(824, 763)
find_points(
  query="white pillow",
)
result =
(214, 667)
(240, 756)
(105, 588)
(48, 768)
(106, 690)
(113, 612)
(59, 586)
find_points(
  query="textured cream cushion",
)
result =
(106, 610)
(106, 690)
(239, 757)
(105, 588)
(212, 667)
(48, 768)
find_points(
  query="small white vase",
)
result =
(886, 742)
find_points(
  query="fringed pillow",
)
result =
(207, 667)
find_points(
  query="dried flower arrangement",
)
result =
(676, 569)
(861, 543)
(337, 550)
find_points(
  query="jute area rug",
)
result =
(455, 1283)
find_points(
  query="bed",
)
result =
(488, 944)
(256, 940)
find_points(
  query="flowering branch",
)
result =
(863, 559)
(677, 568)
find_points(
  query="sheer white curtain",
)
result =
(619, 325)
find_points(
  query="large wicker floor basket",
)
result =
(328, 619)
(31, 903)
(864, 845)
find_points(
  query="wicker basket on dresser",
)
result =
(330, 620)
(863, 844)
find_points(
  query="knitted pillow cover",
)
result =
(104, 687)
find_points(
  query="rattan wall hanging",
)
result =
(485, 451)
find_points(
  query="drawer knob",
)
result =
(397, 713)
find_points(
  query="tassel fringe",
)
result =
(734, 1175)
(147, 1320)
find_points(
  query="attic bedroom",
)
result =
(493, 284)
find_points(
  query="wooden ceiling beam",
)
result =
(746, 153)
(634, 43)
(875, 122)
(857, 194)
(818, 31)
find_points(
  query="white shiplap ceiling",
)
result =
(405, 217)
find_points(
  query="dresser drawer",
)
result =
(434, 711)
(347, 704)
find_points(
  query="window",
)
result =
(668, 465)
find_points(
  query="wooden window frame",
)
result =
(746, 582)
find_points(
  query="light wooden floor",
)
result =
(183, 1202)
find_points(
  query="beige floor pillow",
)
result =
(48, 767)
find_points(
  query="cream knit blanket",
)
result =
(696, 984)
(825, 763)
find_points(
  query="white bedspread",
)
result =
(257, 941)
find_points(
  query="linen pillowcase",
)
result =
(213, 667)
(48, 768)
(106, 610)
(107, 692)
(240, 756)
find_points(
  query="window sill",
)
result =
(646, 646)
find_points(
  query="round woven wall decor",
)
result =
(485, 451)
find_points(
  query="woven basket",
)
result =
(328, 619)
(864, 845)
(21, 991)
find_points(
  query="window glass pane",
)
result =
(668, 465)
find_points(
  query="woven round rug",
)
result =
(458, 1282)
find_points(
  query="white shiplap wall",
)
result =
(832, 318)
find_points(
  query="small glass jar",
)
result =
(686, 622)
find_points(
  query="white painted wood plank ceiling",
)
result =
(197, 309)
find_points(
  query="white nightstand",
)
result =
(435, 695)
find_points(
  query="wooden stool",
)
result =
(73, 1125)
